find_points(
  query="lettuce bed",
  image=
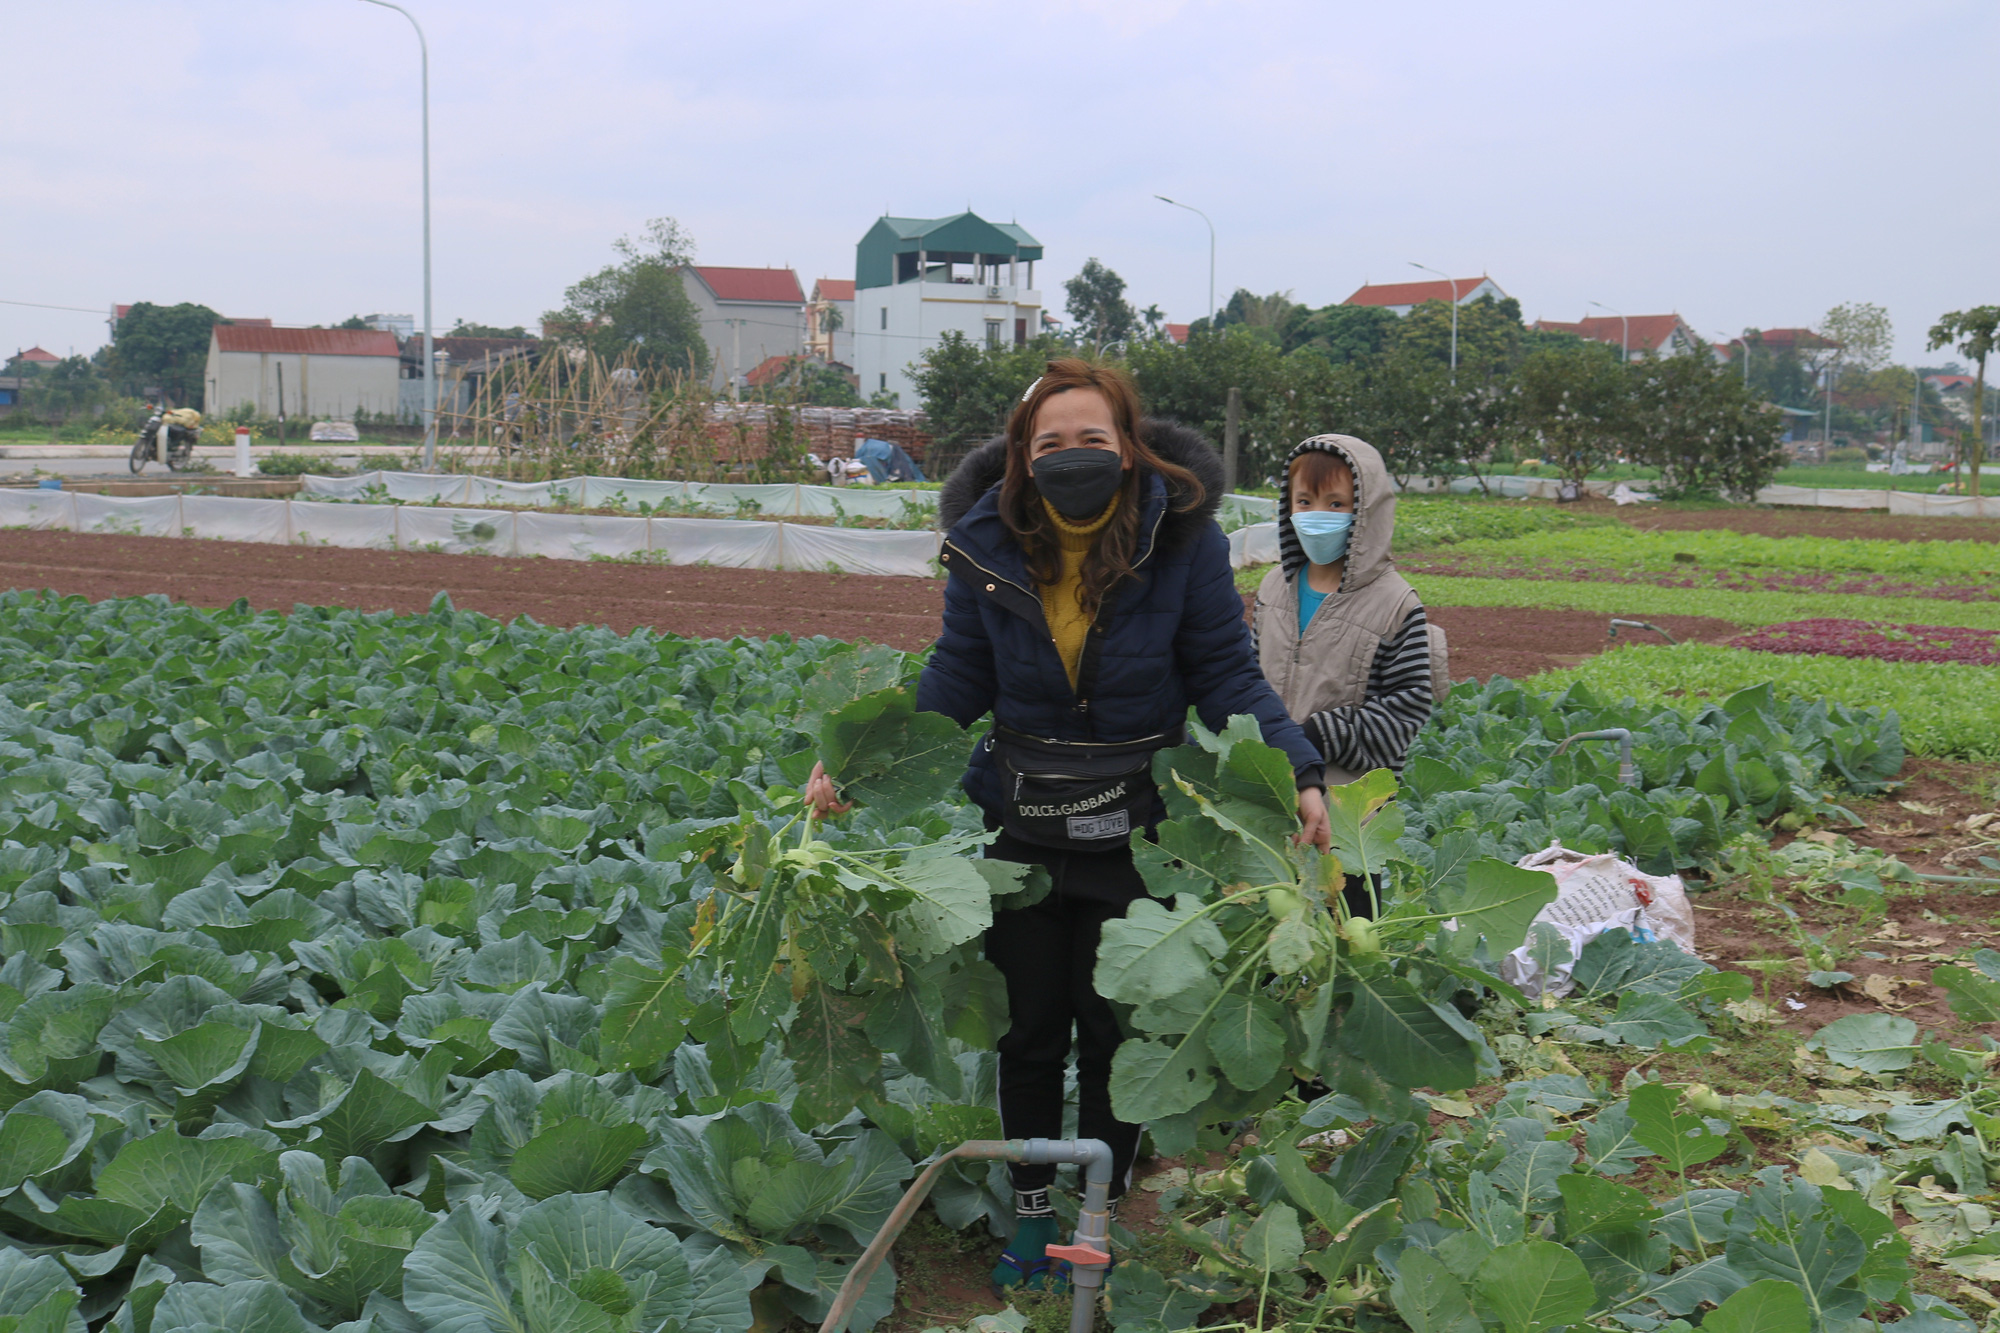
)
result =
(1948, 711)
(1888, 643)
(1748, 609)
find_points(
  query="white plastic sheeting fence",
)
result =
(779, 500)
(730, 543)
(1896, 502)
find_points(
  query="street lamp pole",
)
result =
(1211, 250)
(430, 364)
(1624, 331)
(1454, 315)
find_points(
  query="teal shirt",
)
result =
(1309, 601)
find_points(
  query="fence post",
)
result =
(1231, 421)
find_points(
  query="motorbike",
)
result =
(168, 437)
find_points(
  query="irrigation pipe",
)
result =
(1627, 775)
(1088, 1254)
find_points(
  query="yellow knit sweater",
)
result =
(1068, 625)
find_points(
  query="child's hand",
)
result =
(1313, 827)
(825, 801)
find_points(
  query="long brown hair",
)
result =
(1021, 506)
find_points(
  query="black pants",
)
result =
(1047, 953)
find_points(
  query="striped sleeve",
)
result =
(1377, 733)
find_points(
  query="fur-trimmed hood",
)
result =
(981, 470)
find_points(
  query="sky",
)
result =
(1744, 164)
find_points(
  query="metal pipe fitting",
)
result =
(1627, 774)
(1640, 624)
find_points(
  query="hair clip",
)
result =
(1030, 389)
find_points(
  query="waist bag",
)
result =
(1078, 796)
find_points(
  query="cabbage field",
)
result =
(435, 975)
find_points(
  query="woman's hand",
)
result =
(826, 801)
(1313, 827)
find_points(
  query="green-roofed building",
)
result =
(917, 278)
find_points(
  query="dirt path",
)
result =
(674, 599)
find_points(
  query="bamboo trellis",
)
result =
(570, 413)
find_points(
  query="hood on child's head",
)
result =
(1374, 511)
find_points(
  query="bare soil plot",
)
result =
(674, 599)
(688, 600)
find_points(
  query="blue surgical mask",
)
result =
(1323, 536)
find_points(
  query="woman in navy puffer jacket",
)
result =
(1089, 602)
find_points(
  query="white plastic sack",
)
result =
(234, 519)
(129, 516)
(717, 541)
(36, 508)
(579, 536)
(858, 550)
(454, 531)
(352, 527)
(1596, 893)
(1625, 495)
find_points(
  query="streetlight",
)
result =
(1211, 249)
(1454, 315)
(430, 365)
(1624, 330)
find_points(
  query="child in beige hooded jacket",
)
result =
(1355, 669)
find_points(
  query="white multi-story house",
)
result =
(916, 279)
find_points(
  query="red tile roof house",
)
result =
(1639, 335)
(327, 373)
(747, 316)
(1400, 298)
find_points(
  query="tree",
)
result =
(1572, 404)
(638, 306)
(1190, 384)
(70, 386)
(1097, 303)
(1973, 332)
(1780, 377)
(165, 346)
(354, 322)
(1489, 335)
(1340, 333)
(967, 389)
(1694, 420)
(1863, 331)
(465, 329)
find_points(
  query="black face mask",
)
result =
(1078, 482)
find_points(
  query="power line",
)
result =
(88, 310)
